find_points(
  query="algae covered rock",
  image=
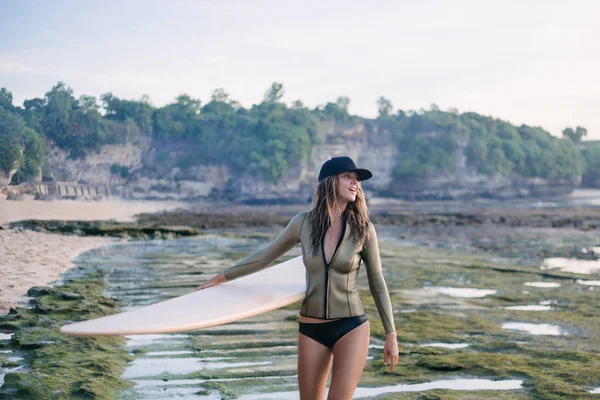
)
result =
(69, 295)
(57, 366)
(107, 228)
(38, 291)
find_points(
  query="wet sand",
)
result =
(30, 258)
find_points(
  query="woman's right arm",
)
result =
(265, 257)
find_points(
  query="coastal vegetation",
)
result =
(591, 153)
(21, 147)
(271, 137)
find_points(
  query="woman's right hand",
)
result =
(214, 281)
(390, 350)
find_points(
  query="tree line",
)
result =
(427, 142)
(270, 137)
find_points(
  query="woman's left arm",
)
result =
(372, 259)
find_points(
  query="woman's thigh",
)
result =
(349, 358)
(314, 361)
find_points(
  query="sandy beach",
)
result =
(30, 258)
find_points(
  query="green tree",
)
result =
(576, 136)
(384, 106)
(120, 170)
(140, 112)
(6, 99)
(33, 113)
(220, 96)
(58, 120)
(337, 113)
(591, 175)
(76, 125)
(34, 155)
(88, 104)
(10, 153)
(343, 102)
(181, 119)
(20, 147)
(274, 94)
(297, 105)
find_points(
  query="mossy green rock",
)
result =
(59, 366)
(107, 228)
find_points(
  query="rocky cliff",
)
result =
(148, 169)
(464, 182)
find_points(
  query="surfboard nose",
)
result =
(68, 330)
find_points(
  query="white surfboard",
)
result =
(254, 294)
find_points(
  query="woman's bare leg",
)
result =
(349, 359)
(314, 361)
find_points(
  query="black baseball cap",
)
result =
(337, 165)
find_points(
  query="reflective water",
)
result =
(535, 329)
(462, 292)
(177, 365)
(453, 384)
(168, 353)
(532, 307)
(4, 371)
(543, 284)
(150, 367)
(572, 265)
(252, 356)
(447, 345)
(588, 283)
(548, 302)
(408, 310)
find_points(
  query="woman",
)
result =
(335, 236)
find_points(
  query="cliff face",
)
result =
(96, 168)
(464, 182)
(5, 178)
(160, 171)
(368, 149)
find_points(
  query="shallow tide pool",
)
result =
(543, 284)
(572, 265)
(473, 313)
(453, 384)
(535, 329)
(462, 292)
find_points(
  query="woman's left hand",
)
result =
(214, 281)
(390, 350)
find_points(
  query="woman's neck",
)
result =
(337, 213)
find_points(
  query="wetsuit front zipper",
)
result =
(326, 287)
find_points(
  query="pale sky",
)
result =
(525, 61)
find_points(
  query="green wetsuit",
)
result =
(331, 290)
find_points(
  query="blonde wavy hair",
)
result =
(325, 204)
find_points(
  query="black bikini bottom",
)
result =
(328, 333)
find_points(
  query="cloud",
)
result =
(16, 67)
